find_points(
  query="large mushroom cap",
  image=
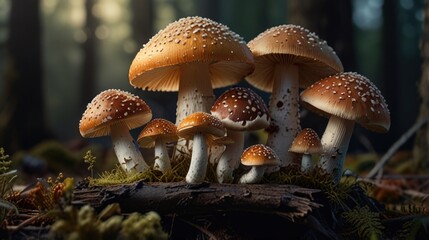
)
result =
(157, 129)
(259, 154)
(306, 142)
(201, 122)
(291, 44)
(191, 39)
(241, 109)
(350, 96)
(110, 107)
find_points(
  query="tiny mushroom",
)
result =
(258, 156)
(288, 57)
(191, 56)
(115, 112)
(200, 127)
(239, 109)
(307, 142)
(156, 134)
(345, 98)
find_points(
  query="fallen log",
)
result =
(184, 199)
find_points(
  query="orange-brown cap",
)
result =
(291, 44)
(350, 96)
(200, 122)
(191, 39)
(307, 142)
(259, 154)
(113, 106)
(241, 109)
(157, 129)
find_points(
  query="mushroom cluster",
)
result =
(194, 55)
(288, 57)
(239, 109)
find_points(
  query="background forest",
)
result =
(56, 55)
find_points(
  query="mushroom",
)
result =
(307, 142)
(258, 156)
(345, 98)
(156, 134)
(192, 56)
(239, 109)
(114, 112)
(288, 57)
(201, 127)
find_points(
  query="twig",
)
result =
(23, 223)
(378, 168)
(201, 229)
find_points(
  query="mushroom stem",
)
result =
(199, 160)
(254, 175)
(306, 162)
(162, 160)
(195, 90)
(230, 159)
(284, 111)
(335, 142)
(195, 95)
(126, 150)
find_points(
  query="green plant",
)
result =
(90, 159)
(364, 222)
(411, 229)
(7, 178)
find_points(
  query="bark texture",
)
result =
(186, 199)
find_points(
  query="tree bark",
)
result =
(186, 199)
(421, 145)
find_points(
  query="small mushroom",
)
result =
(200, 127)
(288, 57)
(345, 98)
(307, 142)
(239, 109)
(259, 157)
(115, 112)
(156, 134)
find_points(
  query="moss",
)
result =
(315, 178)
(85, 223)
(180, 166)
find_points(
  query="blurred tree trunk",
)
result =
(142, 20)
(421, 145)
(332, 21)
(89, 61)
(391, 68)
(23, 117)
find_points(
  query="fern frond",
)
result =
(364, 222)
(410, 229)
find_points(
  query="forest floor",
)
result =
(288, 204)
